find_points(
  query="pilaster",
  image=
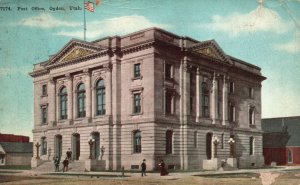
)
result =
(214, 99)
(52, 101)
(225, 101)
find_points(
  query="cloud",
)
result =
(260, 19)
(118, 25)
(6, 71)
(47, 21)
(292, 46)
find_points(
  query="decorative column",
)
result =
(186, 91)
(37, 145)
(215, 141)
(225, 101)
(52, 101)
(88, 89)
(108, 87)
(70, 96)
(198, 95)
(214, 99)
(231, 142)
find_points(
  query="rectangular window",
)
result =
(251, 116)
(168, 71)
(168, 103)
(222, 141)
(44, 115)
(169, 142)
(251, 147)
(205, 106)
(231, 113)
(137, 103)
(44, 90)
(44, 146)
(250, 92)
(231, 87)
(137, 70)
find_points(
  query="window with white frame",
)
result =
(169, 102)
(63, 100)
(100, 97)
(137, 70)
(137, 103)
(43, 146)
(251, 115)
(44, 114)
(44, 90)
(205, 100)
(137, 145)
(81, 100)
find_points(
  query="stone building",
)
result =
(148, 95)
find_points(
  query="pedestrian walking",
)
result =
(143, 166)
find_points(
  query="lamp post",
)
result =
(37, 145)
(216, 141)
(90, 142)
(231, 142)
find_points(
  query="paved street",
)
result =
(282, 175)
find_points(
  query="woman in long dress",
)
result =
(162, 167)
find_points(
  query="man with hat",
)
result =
(143, 166)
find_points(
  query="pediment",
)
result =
(210, 49)
(74, 50)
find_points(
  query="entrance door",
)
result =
(208, 145)
(96, 145)
(58, 145)
(75, 146)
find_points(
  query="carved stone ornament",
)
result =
(107, 67)
(77, 53)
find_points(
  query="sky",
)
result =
(265, 35)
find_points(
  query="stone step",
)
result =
(48, 166)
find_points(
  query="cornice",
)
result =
(137, 48)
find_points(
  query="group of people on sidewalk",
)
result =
(162, 167)
(65, 162)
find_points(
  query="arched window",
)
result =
(63, 103)
(137, 146)
(169, 142)
(100, 97)
(251, 115)
(81, 101)
(205, 100)
(43, 146)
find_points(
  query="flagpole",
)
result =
(84, 25)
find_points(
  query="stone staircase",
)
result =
(48, 166)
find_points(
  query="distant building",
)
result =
(147, 95)
(281, 140)
(15, 150)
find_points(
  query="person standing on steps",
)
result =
(143, 166)
(69, 154)
(56, 163)
(66, 164)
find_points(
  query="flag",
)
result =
(98, 2)
(89, 6)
